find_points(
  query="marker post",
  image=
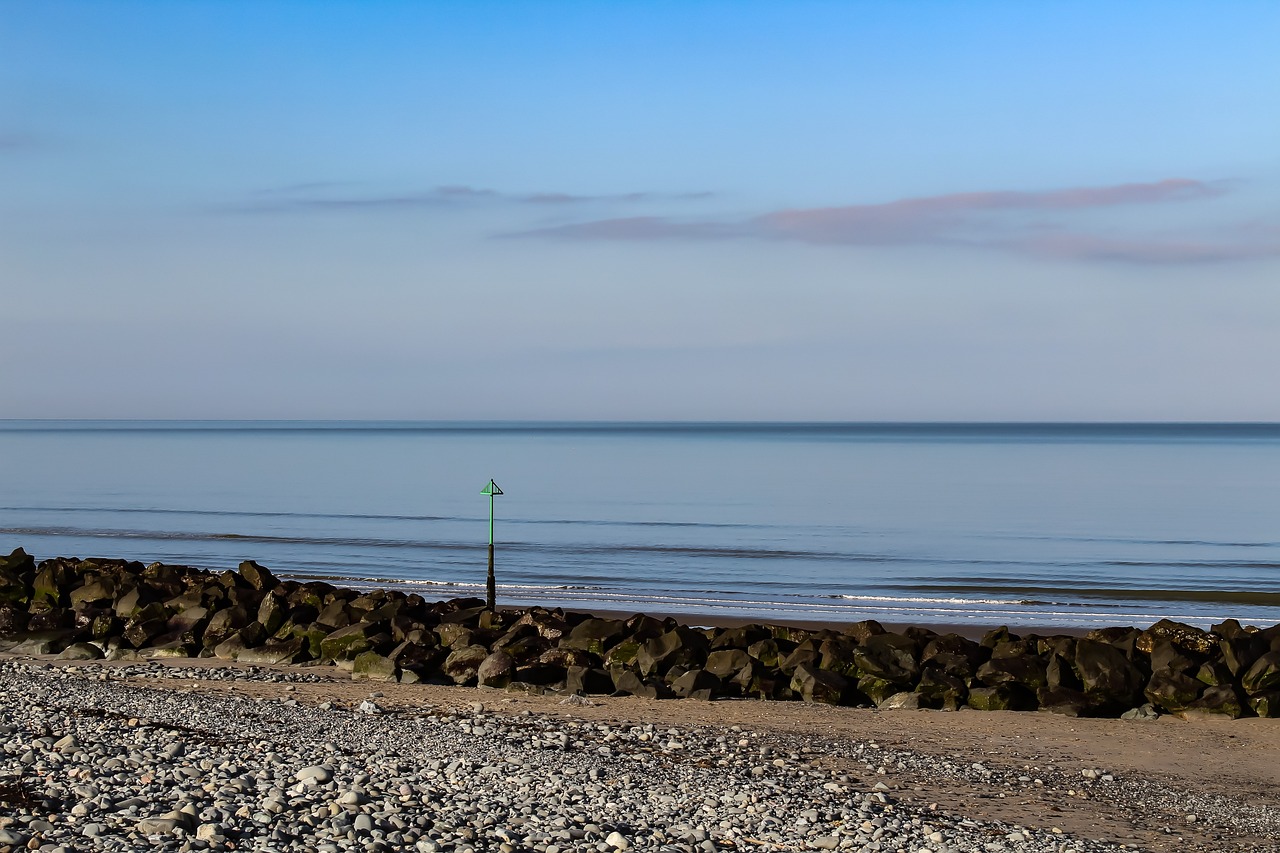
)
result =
(492, 491)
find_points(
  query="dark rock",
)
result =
(996, 636)
(568, 658)
(1217, 702)
(256, 576)
(371, 666)
(860, 631)
(541, 674)
(1186, 637)
(496, 670)
(1263, 676)
(587, 680)
(627, 681)
(1266, 704)
(274, 653)
(766, 651)
(622, 654)
(1030, 671)
(836, 655)
(81, 651)
(463, 662)
(680, 645)
(1241, 650)
(96, 592)
(345, 643)
(819, 686)
(877, 689)
(727, 662)
(696, 684)
(1003, 697)
(1215, 674)
(806, 653)
(1065, 701)
(1107, 676)
(1172, 691)
(1124, 639)
(1165, 656)
(888, 656)
(941, 689)
(13, 620)
(740, 637)
(595, 635)
(272, 613)
(222, 625)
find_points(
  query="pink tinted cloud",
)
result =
(977, 219)
(934, 217)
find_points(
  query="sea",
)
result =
(1046, 525)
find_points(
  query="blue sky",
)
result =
(854, 211)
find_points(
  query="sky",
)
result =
(859, 211)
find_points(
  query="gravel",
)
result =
(89, 762)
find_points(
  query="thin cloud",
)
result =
(976, 219)
(15, 141)
(319, 196)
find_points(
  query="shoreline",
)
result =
(969, 630)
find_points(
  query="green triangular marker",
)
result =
(491, 489)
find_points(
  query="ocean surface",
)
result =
(1021, 524)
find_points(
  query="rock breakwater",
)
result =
(116, 609)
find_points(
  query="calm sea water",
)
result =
(1062, 525)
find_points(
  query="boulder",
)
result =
(727, 662)
(860, 631)
(595, 635)
(1263, 676)
(1065, 701)
(835, 654)
(1165, 656)
(696, 684)
(1186, 637)
(371, 666)
(1172, 691)
(820, 686)
(346, 643)
(1241, 651)
(627, 681)
(272, 613)
(1266, 704)
(275, 652)
(567, 657)
(1217, 702)
(622, 654)
(806, 653)
(256, 576)
(905, 701)
(496, 670)
(13, 620)
(463, 662)
(454, 634)
(99, 591)
(1003, 697)
(81, 651)
(680, 645)
(539, 674)
(740, 637)
(888, 656)
(1030, 671)
(1109, 678)
(940, 689)
(222, 625)
(585, 680)
(766, 651)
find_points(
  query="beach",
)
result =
(200, 754)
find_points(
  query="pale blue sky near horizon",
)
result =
(696, 210)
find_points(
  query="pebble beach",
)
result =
(200, 755)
